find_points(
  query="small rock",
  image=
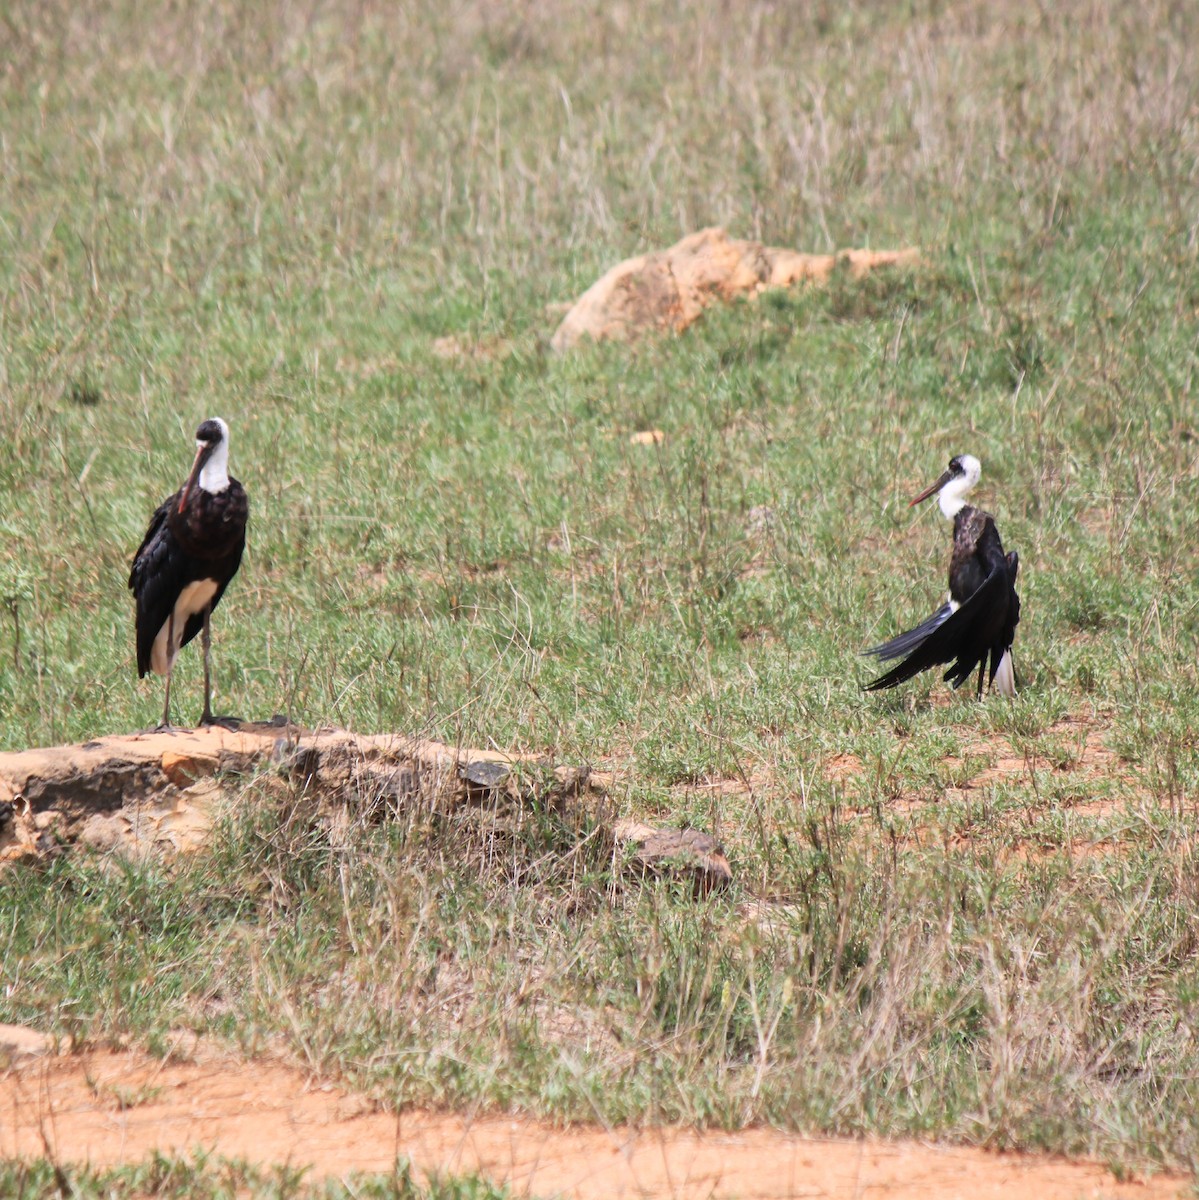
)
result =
(484, 773)
(678, 852)
(647, 437)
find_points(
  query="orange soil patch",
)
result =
(110, 1108)
(1084, 754)
(841, 767)
(1089, 757)
(1072, 749)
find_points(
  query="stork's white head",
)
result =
(212, 441)
(211, 468)
(954, 485)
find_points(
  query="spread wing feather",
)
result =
(900, 645)
(982, 627)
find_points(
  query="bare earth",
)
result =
(110, 1108)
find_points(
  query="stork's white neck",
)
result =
(951, 505)
(214, 474)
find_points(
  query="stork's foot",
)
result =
(166, 727)
(233, 724)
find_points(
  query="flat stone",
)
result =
(677, 852)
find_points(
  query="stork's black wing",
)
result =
(983, 626)
(900, 645)
(156, 578)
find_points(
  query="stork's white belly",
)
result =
(194, 598)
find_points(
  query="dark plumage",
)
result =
(191, 551)
(978, 621)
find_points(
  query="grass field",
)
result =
(203, 1178)
(269, 212)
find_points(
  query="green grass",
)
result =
(209, 1178)
(271, 213)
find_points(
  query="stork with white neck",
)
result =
(191, 551)
(978, 620)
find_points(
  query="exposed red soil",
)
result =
(110, 1108)
(841, 767)
(1083, 753)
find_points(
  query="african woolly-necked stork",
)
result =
(190, 552)
(978, 620)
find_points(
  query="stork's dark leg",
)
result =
(207, 718)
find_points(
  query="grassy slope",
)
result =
(270, 214)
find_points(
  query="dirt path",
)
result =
(111, 1108)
